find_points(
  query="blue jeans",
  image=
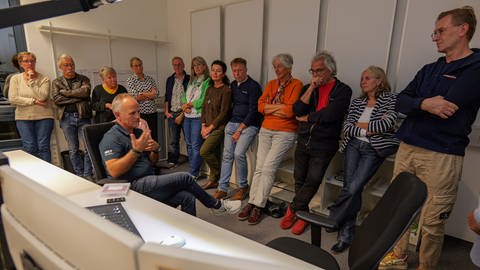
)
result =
(72, 127)
(35, 136)
(174, 132)
(192, 128)
(236, 151)
(361, 163)
(174, 189)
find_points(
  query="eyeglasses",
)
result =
(68, 65)
(438, 32)
(317, 71)
(29, 61)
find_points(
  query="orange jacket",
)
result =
(291, 94)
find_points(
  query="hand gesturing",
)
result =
(141, 143)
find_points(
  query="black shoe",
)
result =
(340, 246)
(330, 230)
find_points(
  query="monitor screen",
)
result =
(79, 237)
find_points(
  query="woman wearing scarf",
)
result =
(277, 135)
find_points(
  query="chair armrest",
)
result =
(318, 220)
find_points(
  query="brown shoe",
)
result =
(220, 194)
(245, 213)
(240, 194)
(255, 216)
(210, 184)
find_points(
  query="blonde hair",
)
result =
(379, 74)
(199, 60)
(135, 59)
(104, 71)
(21, 55)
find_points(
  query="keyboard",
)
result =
(114, 212)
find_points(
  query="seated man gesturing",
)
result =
(128, 153)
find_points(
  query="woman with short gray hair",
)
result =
(277, 134)
(103, 95)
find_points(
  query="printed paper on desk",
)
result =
(115, 190)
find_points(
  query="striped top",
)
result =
(382, 121)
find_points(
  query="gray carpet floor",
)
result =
(455, 254)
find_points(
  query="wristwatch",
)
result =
(136, 152)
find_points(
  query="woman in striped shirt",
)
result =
(369, 139)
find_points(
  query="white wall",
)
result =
(169, 20)
(138, 28)
(405, 47)
(178, 25)
(139, 19)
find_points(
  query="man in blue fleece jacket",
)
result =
(441, 104)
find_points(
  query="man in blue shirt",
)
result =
(128, 153)
(240, 131)
(441, 104)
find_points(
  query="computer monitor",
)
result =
(73, 234)
(25, 246)
(153, 256)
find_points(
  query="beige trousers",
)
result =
(441, 173)
(272, 147)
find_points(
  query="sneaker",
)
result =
(240, 194)
(255, 216)
(391, 261)
(228, 207)
(288, 220)
(220, 194)
(245, 213)
(300, 226)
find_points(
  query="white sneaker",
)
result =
(228, 207)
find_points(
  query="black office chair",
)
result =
(377, 235)
(92, 135)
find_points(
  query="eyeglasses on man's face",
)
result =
(438, 32)
(317, 71)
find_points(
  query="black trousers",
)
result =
(152, 121)
(308, 174)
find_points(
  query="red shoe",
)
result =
(288, 220)
(299, 226)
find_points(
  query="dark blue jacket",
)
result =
(169, 88)
(457, 82)
(245, 102)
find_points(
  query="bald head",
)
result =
(127, 111)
